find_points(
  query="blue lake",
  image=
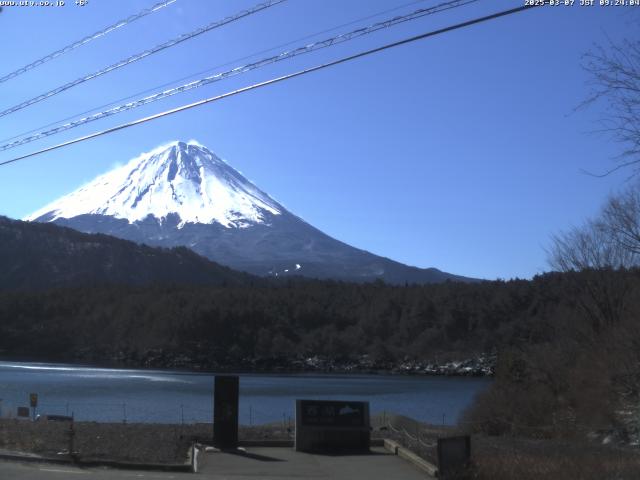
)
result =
(108, 395)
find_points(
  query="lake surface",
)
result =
(108, 395)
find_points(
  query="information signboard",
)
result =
(332, 413)
(332, 426)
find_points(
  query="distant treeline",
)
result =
(229, 326)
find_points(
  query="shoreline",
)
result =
(479, 366)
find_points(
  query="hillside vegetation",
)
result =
(39, 256)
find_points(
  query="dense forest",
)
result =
(235, 326)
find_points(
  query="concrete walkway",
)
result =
(47, 471)
(277, 463)
(268, 463)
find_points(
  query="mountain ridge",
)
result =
(42, 256)
(182, 194)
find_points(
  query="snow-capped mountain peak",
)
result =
(182, 194)
(182, 178)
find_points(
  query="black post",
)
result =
(225, 411)
(72, 433)
(453, 456)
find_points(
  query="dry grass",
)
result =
(493, 458)
(502, 458)
(135, 442)
(520, 458)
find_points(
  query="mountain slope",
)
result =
(175, 179)
(43, 256)
(182, 194)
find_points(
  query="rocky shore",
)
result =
(477, 366)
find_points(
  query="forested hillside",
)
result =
(39, 256)
(280, 323)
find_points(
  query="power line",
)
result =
(139, 56)
(275, 80)
(87, 39)
(344, 37)
(209, 70)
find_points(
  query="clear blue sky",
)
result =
(461, 152)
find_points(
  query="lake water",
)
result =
(108, 395)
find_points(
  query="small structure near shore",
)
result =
(327, 426)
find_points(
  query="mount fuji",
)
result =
(182, 194)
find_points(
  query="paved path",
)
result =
(39, 471)
(255, 463)
(277, 463)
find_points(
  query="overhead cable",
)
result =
(87, 39)
(140, 56)
(274, 80)
(208, 70)
(344, 37)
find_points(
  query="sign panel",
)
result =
(33, 400)
(332, 413)
(330, 426)
(225, 411)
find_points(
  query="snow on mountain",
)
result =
(182, 194)
(183, 178)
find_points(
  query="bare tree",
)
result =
(590, 246)
(603, 250)
(609, 241)
(614, 73)
(620, 219)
